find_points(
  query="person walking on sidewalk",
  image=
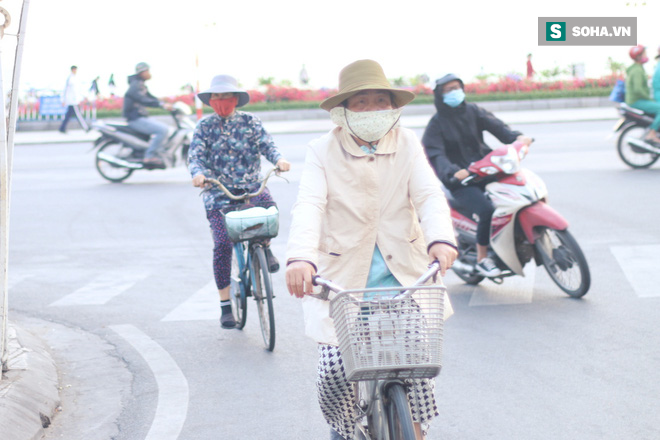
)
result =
(136, 101)
(452, 140)
(638, 94)
(71, 100)
(228, 146)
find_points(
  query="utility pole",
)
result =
(7, 131)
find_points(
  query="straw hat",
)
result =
(365, 75)
(224, 84)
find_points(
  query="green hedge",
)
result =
(419, 99)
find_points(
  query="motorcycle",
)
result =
(120, 149)
(631, 146)
(523, 226)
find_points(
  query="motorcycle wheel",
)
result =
(111, 172)
(631, 155)
(184, 153)
(564, 261)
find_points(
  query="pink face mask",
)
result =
(644, 60)
(224, 107)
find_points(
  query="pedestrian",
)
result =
(304, 76)
(71, 100)
(452, 140)
(136, 101)
(530, 68)
(94, 95)
(111, 85)
(370, 213)
(638, 94)
(228, 146)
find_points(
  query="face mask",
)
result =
(367, 126)
(454, 98)
(224, 107)
(644, 60)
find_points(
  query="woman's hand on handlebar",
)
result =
(199, 181)
(283, 165)
(445, 254)
(461, 174)
(299, 276)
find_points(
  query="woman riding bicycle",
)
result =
(228, 145)
(370, 213)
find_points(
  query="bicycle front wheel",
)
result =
(263, 294)
(237, 292)
(399, 418)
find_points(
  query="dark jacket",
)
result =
(454, 136)
(137, 99)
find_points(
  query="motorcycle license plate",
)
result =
(619, 124)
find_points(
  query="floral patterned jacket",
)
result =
(230, 150)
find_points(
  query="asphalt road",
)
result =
(117, 279)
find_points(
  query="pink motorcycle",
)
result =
(523, 227)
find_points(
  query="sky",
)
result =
(190, 42)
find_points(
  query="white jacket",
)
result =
(349, 201)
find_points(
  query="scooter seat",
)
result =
(633, 112)
(128, 130)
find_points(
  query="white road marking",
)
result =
(173, 394)
(202, 305)
(640, 265)
(514, 290)
(101, 290)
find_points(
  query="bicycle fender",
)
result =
(540, 214)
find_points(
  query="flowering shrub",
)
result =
(498, 89)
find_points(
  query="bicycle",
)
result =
(250, 231)
(387, 335)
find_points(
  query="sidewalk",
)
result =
(29, 393)
(312, 121)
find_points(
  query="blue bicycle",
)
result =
(251, 228)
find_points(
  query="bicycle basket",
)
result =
(389, 337)
(252, 223)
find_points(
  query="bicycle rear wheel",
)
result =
(237, 292)
(263, 295)
(399, 418)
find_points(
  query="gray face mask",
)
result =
(367, 126)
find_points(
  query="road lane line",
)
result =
(202, 305)
(101, 290)
(640, 265)
(173, 393)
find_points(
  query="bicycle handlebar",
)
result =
(243, 196)
(328, 285)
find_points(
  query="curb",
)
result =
(29, 389)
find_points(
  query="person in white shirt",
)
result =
(71, 100)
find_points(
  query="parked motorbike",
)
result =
(120, 149)
(631, 146)
(523, 227)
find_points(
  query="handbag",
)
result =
(251, 222)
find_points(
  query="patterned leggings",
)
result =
(338, 401)
(222, 245)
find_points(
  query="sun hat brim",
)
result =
(365, 75)
(399, 97)
(220, 85)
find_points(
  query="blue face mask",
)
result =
(454, 98)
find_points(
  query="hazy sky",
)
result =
(253, 39)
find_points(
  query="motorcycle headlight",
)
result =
(509, 163)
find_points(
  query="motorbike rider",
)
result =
(228, 145)
(637, 91)
(136, 101)
(452, 140)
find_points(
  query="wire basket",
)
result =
(390, 337)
